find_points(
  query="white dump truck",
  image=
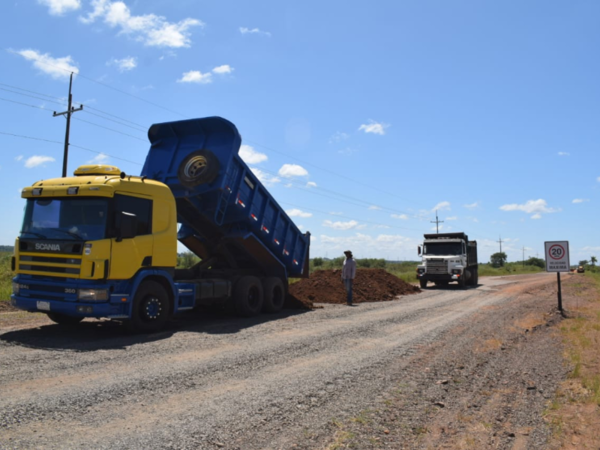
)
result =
(446, 258)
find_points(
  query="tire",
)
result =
(476, 277)
(422, 283)
(274, 295)
(462, 282)
(64, 320)
(151, 308)
(248, 296)
(199, 167)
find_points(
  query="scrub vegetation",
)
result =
(6, 276)
(574, 412)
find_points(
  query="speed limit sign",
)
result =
(557, 256)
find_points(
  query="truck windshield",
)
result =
(445, 248)
(65, 218)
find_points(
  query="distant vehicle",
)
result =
(448, 257)
(580, 269)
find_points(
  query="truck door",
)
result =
(129, 255)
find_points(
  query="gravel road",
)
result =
(276, 382)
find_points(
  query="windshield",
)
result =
(445, 248)
(65, 218)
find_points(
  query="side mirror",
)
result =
(419, 250)
(126, 226)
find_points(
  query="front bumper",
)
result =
(75, 309)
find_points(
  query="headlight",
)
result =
(15, 287)
(456, 271)
(93, 295)
(421, 270)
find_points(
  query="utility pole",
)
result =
(70, 110)
(437, 222)
(500, 241)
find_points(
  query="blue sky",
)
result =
(361, 118)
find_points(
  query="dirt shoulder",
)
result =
(487, 384)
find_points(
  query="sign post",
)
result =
(557, 260)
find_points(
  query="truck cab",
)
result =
(88, 241)
(448, 257)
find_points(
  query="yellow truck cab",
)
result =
(85, 238)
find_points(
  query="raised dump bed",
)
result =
(227, 215)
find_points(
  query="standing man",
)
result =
(348, 274)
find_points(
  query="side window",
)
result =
(141, 207)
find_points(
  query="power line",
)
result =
(110, 129)
(72, 145)
(437, 222)
(68, 113)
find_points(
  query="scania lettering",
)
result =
(103, 244)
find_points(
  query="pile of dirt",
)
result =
(325, 286)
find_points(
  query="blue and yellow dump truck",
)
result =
(103, 243)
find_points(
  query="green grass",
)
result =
(6, 276)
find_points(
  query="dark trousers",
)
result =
(348, 286)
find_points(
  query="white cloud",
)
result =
(245, 30)
(535, 207)
(580, 200)
(59, 7)
(251, 156)
(298, 213)
(400, 216)
(225, 68)
(57, 68)
(598, 179)
(374, 127)
(531, 206)
(311, 184)
(18, 158)
(367, 246)
(336, 213)
(292, 170)
(265, 178)
(124, 64)
(100, 158)
(472, 205)
(375, 207)
(348, 151)
(195, 76)
(35, 161)
(338, 137)
(441, 206)
(351, 224)
(150, 29)
(451, 218)
(563, 154)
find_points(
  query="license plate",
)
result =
(43, 306)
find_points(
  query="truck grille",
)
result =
(437, 266)
(51, 264)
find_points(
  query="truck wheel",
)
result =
(248, 296)
(274, 295)
(199, 167)
(423, 283)
(150, 308)
(64, 320)
(462, 282)
(475, 277)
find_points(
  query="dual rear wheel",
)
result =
(251, 296)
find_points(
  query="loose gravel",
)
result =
(334, 375)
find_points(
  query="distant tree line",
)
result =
(7, 248)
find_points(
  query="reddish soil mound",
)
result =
(325, 286)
